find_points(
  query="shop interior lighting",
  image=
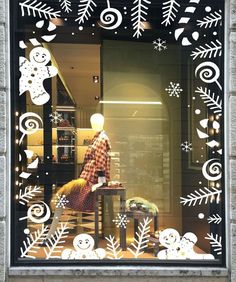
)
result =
(95, 79)
(131, 102)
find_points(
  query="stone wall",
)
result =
(177, 275)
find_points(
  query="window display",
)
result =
(117, 132)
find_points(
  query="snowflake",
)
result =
(186, 146)
(61, 201)
(56, 117)
(159, 44)
(174, 89)
(121, 220)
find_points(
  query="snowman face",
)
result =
(40, 55)
(83, 242)
(188, 241)
(169, 237)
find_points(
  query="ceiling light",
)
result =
(131, 102)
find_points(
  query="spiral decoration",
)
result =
(211, 170)
(28, 124)
(39, 213)
(110, 18)
(208, 72)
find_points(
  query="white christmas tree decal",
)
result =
(86, 7)
(201, 195)
(208, 51)
(66, 5)
(54, 248)
(212, 100)
(143, 238)
(31, 243)
(215, 218)
(27, 194)
(114, 249)
(213, 20)
(170, 9)
(40, 9)
(215, 241)
(139, 13)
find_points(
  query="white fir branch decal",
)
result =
(212, 20)
(54, 248)
(208, 51)
(40, 9)
(215, 218)
(114, 249)
(170, 9)
(27, 194)
(139, 13)
(215, 241)
(31, 243)
(66, 5)
(202, 195)
(86, 7)
(142, 240)
(212, 100)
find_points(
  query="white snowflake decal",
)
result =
(61, 201)
(121, 220)
(56, 117)
(159, 44)
(174, 89)
(186, 146)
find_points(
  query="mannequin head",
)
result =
(97, 122)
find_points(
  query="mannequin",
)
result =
(96, 162)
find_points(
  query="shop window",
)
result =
(117, 132)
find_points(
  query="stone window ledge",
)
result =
(119, 271)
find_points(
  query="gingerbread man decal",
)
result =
(33, 74)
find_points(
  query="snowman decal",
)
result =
(33, 74)
(83, 249)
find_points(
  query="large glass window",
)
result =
(117, 132)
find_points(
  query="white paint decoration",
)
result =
(66, 5)
(29, 154)
(211, 170)
(215, 218)
(33, 74)
(24, 196)
(110, 18)
(202, 135)
(55, 117)
(113, 247)
(213, 143)
(38, 9)
(208, 72)
(29, 124)
(211, 20)
(179, 32)
(121, 221)
(61, 201)
(25, 175)
(86, 8)
(186, 146)
(174, 89)
(38, 213)
(84, 249)
(215, 241)
(208, 51)
(213, 101)
(159, 44)
(170, 9)
(34, 164)
(202, 195)
(138, 16)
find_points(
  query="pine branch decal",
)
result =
(66, 5)
(170, 9)
(31, 243)
(27, 194)
(53, 250)
(143, 238)
(215, 242)
(213, 19)
(113, 246)
(210, 99)
(215, 218)
(208, 51)
(139, 13)
(201, 195)
(85, 10)
(38, 9)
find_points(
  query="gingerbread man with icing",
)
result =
(33, 74)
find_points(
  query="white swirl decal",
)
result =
(110, 18)
(211, 170)
(38, 213)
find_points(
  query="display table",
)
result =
(110, 191)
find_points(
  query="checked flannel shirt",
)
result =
(97, 158)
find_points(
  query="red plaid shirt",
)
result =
(97, 158)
